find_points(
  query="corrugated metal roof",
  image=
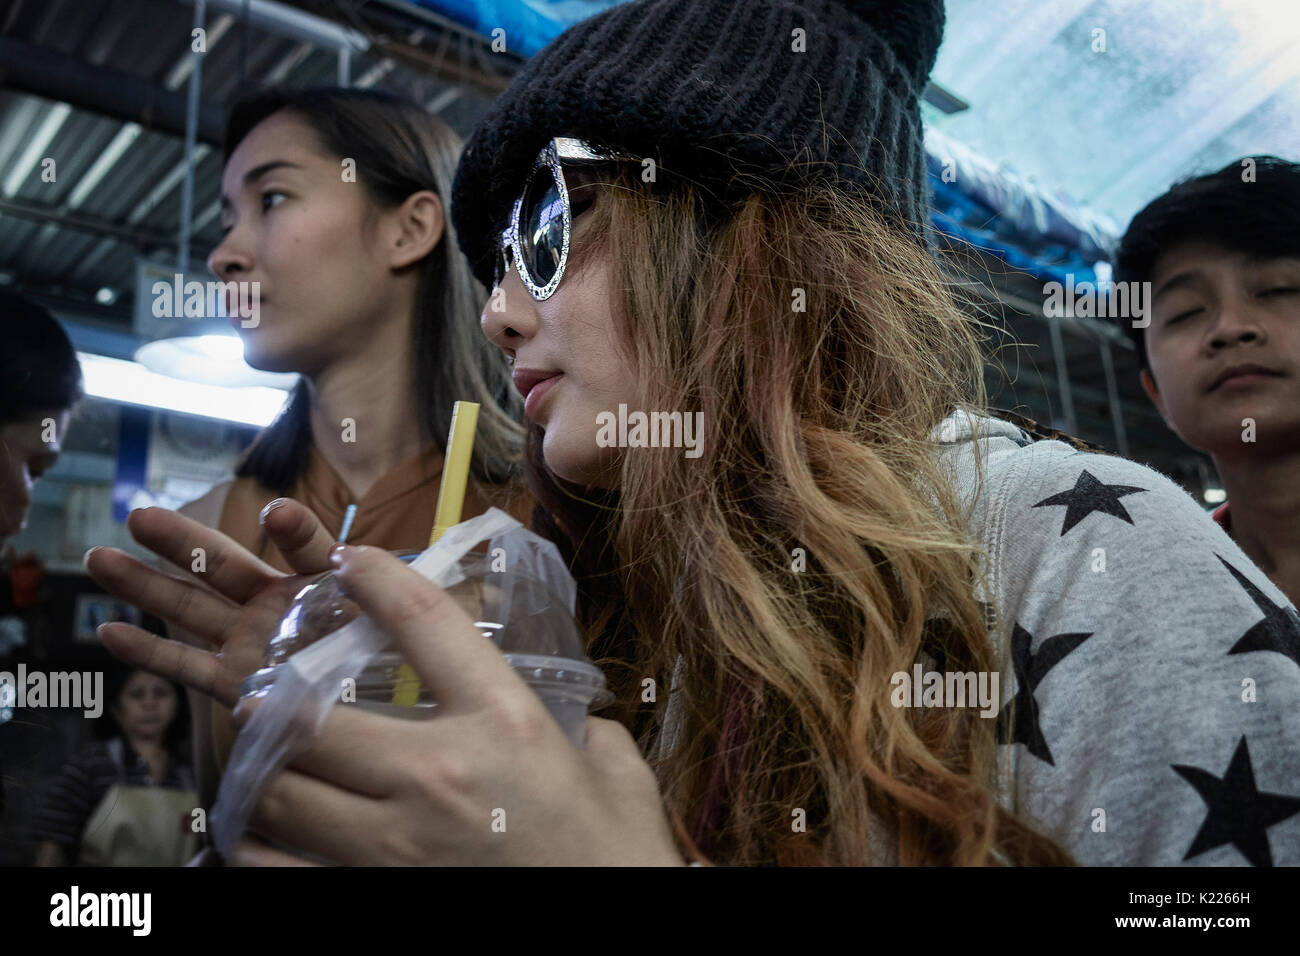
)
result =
(1111, 131)
(116, 192)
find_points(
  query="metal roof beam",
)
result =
(99, 89)
(138, 236)
(295, 24)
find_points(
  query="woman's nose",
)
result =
(229, 258)
(510, 316)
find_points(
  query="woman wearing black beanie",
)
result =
(849, 618)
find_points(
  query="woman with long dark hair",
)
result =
(333, 205)
(850, 618)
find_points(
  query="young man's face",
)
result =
(28, 448)
(1215, 313)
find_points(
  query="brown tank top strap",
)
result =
(1040, 432)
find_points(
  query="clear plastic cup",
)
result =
(531, 626)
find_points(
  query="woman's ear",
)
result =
(417, 228)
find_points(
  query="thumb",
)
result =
(610, 743)
(298, 534)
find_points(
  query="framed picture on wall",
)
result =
(96, 609)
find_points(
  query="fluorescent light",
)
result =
(225, 348)
(208, 359)
(1215, 496)
(130, 383)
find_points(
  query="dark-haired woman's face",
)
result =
(301, 225)
(25, 455)
(146, 706)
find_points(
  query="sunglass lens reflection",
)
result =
(542, 226)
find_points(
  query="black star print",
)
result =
(1280, 629)
(1239, 814)
(1030, 671)
(1089, 495)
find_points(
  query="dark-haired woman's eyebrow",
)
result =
(256, 173)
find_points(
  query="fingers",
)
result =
(298, 534)
(182, 603)
(250, 851)
(196, 669)
(462, 669)
(217, 560)
(356, 749)
(322, 819)
(608, 739)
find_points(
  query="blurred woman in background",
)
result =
(127, 800)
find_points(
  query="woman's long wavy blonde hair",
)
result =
(816, 449)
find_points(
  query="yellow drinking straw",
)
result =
(451, 500)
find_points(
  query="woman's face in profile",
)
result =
(146, 706)
(572, 335)
(302, 228)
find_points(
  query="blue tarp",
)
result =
(992, 208)
(975, 198)
(978, 202)
(528, 24)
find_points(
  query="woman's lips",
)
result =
(537, 393)
(237, 317)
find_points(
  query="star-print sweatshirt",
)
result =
(1155, 670)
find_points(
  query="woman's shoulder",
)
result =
(1056, 486)
(207, 508)
(1145, 654)
(1076, 539)
(232, 508)
(1060, 486)
(93, 760)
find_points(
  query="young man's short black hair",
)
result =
(39, 370)
(1252, 205)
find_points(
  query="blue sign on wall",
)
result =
(132, 459)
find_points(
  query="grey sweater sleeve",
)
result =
(1155, 670)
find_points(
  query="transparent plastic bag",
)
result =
(525, 599)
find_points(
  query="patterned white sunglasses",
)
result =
(537, 237)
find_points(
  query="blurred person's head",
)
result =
(40, 381)
(1222, 254)
(142, 707)
(334, 203)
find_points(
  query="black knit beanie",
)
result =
(713, 88)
